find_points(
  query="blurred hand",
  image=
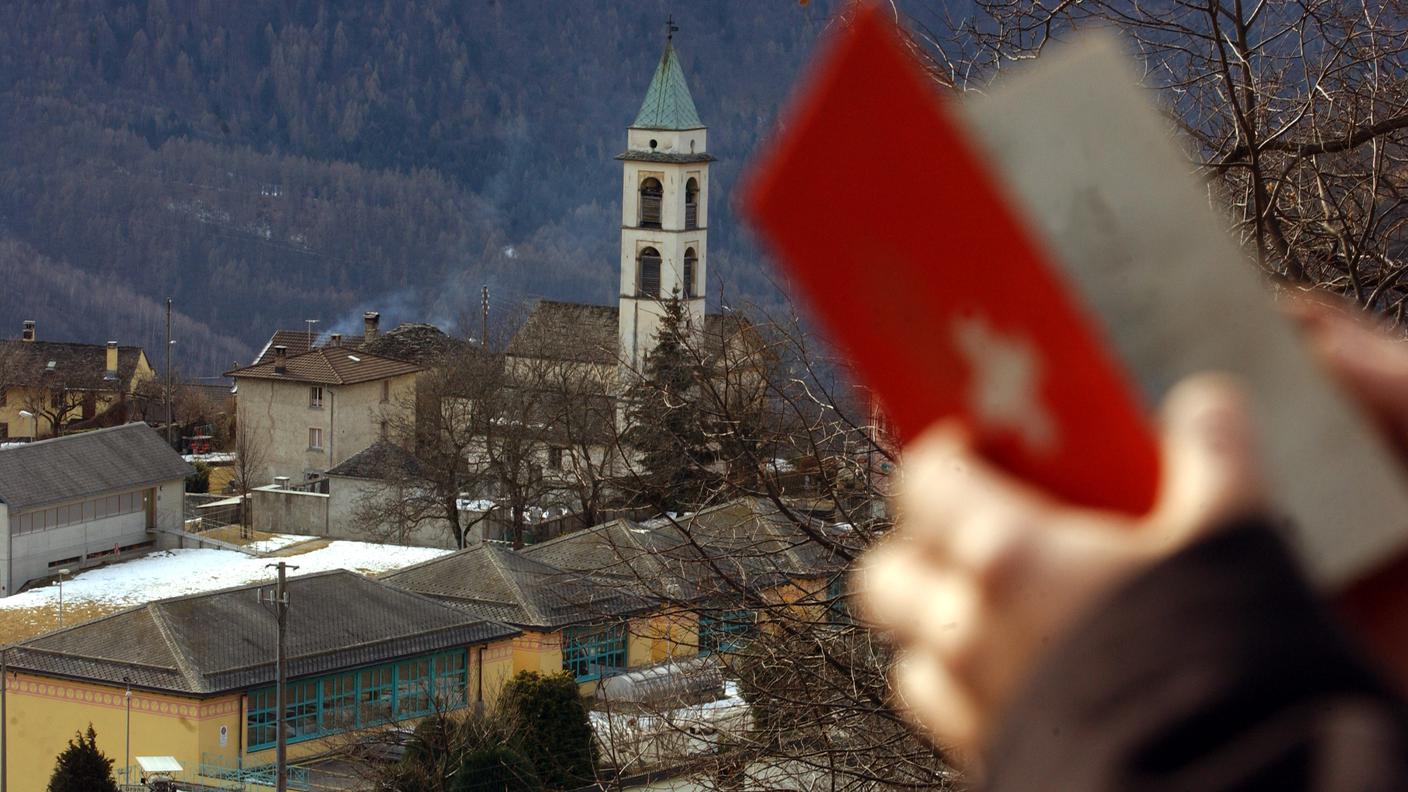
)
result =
(983, 572)
(1371, 364)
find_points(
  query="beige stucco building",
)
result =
(300, 415)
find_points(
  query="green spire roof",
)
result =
(668, 104)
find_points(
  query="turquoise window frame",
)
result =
(330, 704)
(838, 599)
(726, 631)
(594, 651)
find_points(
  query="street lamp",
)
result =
(34, 435)
(62, 572)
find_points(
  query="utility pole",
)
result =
(280, 602)
(484, 332)
(4, 724)
(168, 371)
(127, 743)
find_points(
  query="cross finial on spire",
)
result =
(670, 28)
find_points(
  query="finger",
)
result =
(933, 471)
(1371, 364)
(1210, 468)
(915, 600)
(936, 702)
(947, 483)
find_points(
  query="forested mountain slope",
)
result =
(264, 162)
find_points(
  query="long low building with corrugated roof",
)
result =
(85, 499)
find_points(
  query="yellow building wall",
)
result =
(537, 651)
(43, 714)
(498, 669)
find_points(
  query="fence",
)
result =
(219, 767)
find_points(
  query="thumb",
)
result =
(1211, 472)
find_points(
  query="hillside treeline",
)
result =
(265, 162)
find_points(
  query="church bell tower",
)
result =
(664, 209)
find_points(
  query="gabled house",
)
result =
(300, 415)
(47, 387)
(85, 499)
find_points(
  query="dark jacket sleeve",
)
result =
(1219, 669)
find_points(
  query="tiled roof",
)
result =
(496, 583)
(664, 156)
(225, 640)
(296, 341)
(378, 461)
(569, 331)
(668, 104)
(414, 342)
(582, 333)
(75, 365)
(333, 365)
(87, 464)
(742, 543)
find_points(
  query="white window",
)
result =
(386, 390)
(315, 439)
(315, 396)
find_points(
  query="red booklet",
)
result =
(900, 238)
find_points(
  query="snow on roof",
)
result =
(174, 573)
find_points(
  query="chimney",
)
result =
(280, 359)
(28, 334)
(110, 372)
(335, 340)
(370, 320)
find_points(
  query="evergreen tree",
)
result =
(82, 767)
(667, 427)
(555, 731)
(496, 768)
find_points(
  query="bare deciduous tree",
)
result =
(250, 468)
(1297, 113)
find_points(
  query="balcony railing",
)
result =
(221, 768)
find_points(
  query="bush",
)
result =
(82, 767)
(199, 481)
(496, 768)
(555, 731)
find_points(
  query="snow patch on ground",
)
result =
(277, 542)
(174, 573)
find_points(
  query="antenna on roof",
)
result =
(670, 28)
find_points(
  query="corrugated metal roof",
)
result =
(668, 104)
(87, 464)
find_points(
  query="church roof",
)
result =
(668, 104)
(568, 331)
(581, 333)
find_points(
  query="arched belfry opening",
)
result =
(691, 203)
(691, 272)
(651, 196)
(664, 253)
(648, 273)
